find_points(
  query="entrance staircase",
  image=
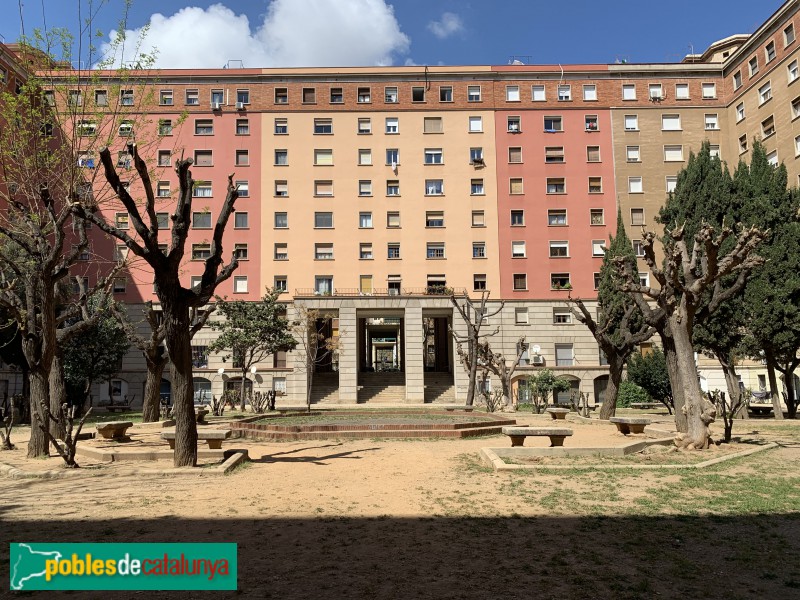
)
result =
(382, 386)
(439, 388)
(325, 388)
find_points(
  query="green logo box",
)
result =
(123, 566)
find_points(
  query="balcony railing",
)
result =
(381, 292)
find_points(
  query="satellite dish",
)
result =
(536, 348)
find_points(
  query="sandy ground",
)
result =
(406, 519)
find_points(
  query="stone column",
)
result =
(348, 353)
(413, 336)
(460, 376)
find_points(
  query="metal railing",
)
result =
(354, 292)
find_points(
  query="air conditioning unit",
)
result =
(216, 105)
(538, 360)
(394, 292)
(240, 106)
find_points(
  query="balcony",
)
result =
(441, 291)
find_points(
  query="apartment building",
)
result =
(375, 194)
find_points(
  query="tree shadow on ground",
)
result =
(284, 457)
(506, 557)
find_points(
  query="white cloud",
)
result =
(449, 24)
(294, 33)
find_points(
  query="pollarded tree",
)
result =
(691, 287)
(252, 331)
(496, 363)
(176, 300)
(619, 327)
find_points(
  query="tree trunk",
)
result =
(777, 409)
(615, 368)
(788, 381)
(151, 403)
(26, 415)
(699, 412)
(58, 396)
(243, 390)
(671, 356)
(38, 445)
(177, 325)
(472, 352)
(505, 384)
(732, 383)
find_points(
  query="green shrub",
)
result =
(629, 393)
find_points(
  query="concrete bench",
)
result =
(558, 414)
(113, 429)
(646, 405)
(628, 425)
(518, 434)
(213, 437)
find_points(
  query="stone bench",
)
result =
(628, 425)
(646, 405)
(558, 414)
(113, 429)
(518, 434)
(213, 437)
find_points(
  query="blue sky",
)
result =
(367, 32)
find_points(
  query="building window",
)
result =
(554, 154)
(201, 251)
(364, 156)
(538, 93)
(393, 251)
(772, 158)
(364, 95)
(590, 93)
(711, 121)
(769, 51)
(521, 316)
(559, 249)
(592, 153)
(434, 219)
(479, 282)
(792, 71)
(631, 122)
(365, 220)
(681, 91)
(671, 122)
(553, 124)
(475, 124)
(323, 126)
(323, 251)
(788, 34)
(635, 185)
(517, 218)
(655, 91)
(392, 187)
(595, 185)
(515, 155)
(752, 66)
(364, 126)
(392, 157)
(281, 252)
(281, 96)
(323, 188)
(365, 188)
(476, 187)
(596, 278)
(673, 153)
(201, 220)
(337, 96)
(74, 98)
(243, 187)
(432, 125)
(596, 216)
(390, 95)
(126, 97)
(392, 125)
(120, 285)
(515, 185)
(241, 220)
(323, 220)
(564, 93)
(162, 189)
(512, 93)
(797, 145)
(202, 189)
(564, 355)
(556, 185)
(192, 97)
(591, 123)
(281, 220)
(520, 281)
(217, 98)
(434, 187)
(240, 284)
(513, 125)
(323, 285)
(309, 96)
(281, 188)
(323, 157)
(743, 144)
(242, 127)
(560, 281)
(242, 96)
(474, 93)
(418, 94)
(632, 153)
(739, 111)
(162, 220)
(709, 90)
(203, 158)
(557, 217)
(281, 126)
(433, 156)
(392, 219)
(518, 249)
(435, 250)
(765, 93)
(281, 157)
(796, 108)
(638, 248)
(637, 216)
(478, 249)
(478, 218)
(242, 158)
(628, 91)
(204, 127)
(562, 316)
(100, 98)
(164, 97)
(121, 220)
(672, 183)
(768, 126)
(365, 251)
